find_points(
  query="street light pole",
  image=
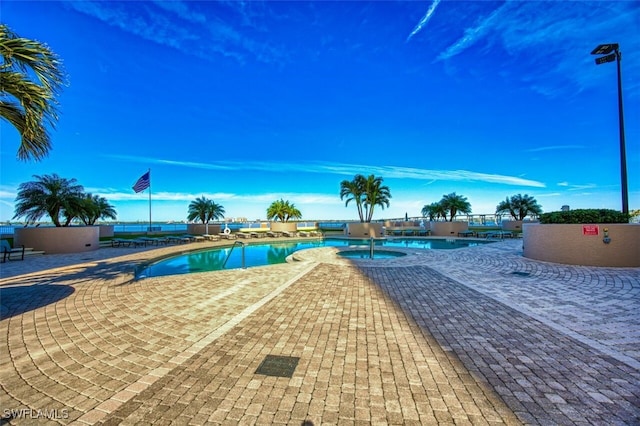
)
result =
(623, 153)
(606, 49)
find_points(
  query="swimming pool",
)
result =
(213, 259)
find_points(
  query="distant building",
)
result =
(565, 208)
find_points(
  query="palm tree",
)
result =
(367, 192)
(434, 211)
(375, 194)
(206, 210)
(49, 195)
(96, 207)
(35, 102)
(283, 210)
(455, 204)
(519, 206)
(354, 191)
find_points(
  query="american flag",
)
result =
(143, 183)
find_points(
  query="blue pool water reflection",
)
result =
(273, 253)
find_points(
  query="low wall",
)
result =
(200, 228)
(68, 239)
(577, 244)
(364, 230)
(448, 229)
(284, 226)
(106, 230)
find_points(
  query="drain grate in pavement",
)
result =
(522, 274)
(278, 366)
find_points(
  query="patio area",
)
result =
(478, 335)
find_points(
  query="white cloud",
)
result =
(555, 148)
(387, 172)
(425, 19)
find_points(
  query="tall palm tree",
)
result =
(49, 195)
(375, 194)
(283, 210)
(206, 210)
(353, 190)
(519, 206)
(33, 107)
(455, 204)
(95, 207)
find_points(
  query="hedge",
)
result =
(585, 216)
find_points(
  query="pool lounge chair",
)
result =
(210, 237)
(120, 242)
(274, 234)
(289, 234)
(139, 242)
(243, 235)
(7, 251)
(155, 240)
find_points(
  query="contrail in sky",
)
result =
(424, 19)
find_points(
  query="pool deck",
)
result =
(477, 335)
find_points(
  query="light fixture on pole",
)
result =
(606, 49)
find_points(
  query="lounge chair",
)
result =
(258, 234)
(154, 241)
(139, 242)
(210, 237)
(273, 234)
(179, 240)
(120, 242)
(243, 235)
(289, 234)
(303, 233)
(7, 251)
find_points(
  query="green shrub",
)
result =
(585, 216)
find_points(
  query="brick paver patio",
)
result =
(467, 336)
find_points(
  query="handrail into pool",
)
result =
(243, 245)
(371, 244)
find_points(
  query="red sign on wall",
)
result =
(590, 229)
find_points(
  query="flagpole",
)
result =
(149, 171)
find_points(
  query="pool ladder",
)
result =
(371, 244)
(243, 245)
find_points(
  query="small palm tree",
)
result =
(96, 207)
(367, 192)
(283, 211)
(353, 190)
(49, 195)
(519, 206)
(375, 194)
(454, 204)
(206, 210)
(434, 211)
(35, 102)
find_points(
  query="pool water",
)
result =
(272, 253)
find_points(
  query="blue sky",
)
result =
(248, 102)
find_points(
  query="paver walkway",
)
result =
(470, 336)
